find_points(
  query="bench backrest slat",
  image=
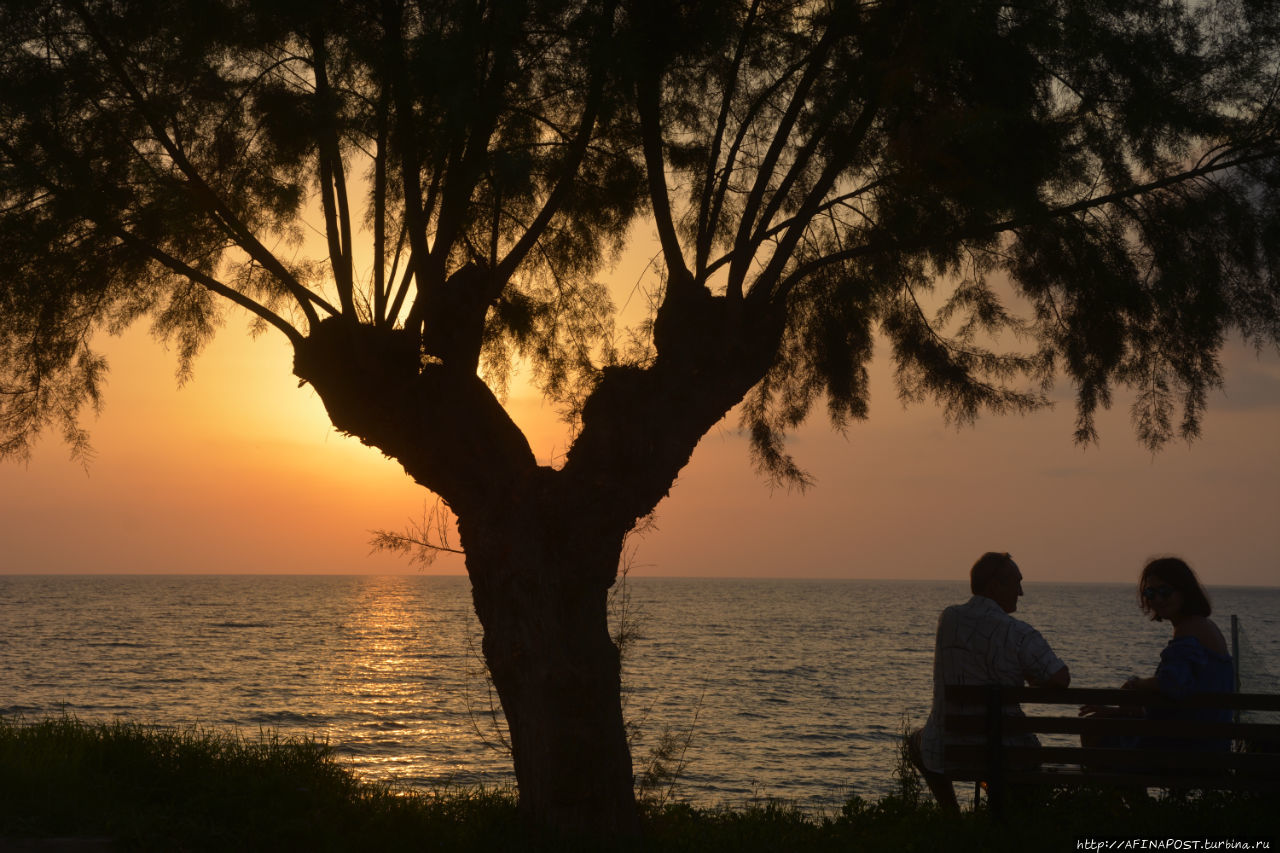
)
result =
(977, 693)
(976, 724)
(1131, 780)
(1137, 760)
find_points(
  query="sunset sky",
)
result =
(239, 471)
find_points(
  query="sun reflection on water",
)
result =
(398, 679)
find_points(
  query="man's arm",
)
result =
(1036, 659)
(1061, 678)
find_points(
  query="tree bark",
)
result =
(540, 579)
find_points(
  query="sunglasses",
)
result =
(1158, 593)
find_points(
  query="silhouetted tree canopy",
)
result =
(855, 165)
(419, 194)
(1115, 160)
(164, 160)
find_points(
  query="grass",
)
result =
(154, 788)
(1061, 823)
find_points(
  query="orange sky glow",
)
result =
(240, 472)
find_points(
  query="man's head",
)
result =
(997, 577)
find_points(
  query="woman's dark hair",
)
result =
(1177, 574)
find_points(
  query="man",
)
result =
(980, 643)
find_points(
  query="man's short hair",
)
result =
(989, 567)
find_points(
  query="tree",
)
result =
(1099, 178)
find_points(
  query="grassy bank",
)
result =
(151, 788)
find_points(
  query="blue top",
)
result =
(1186, 667)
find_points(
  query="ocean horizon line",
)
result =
(630, 576)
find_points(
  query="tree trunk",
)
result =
(543, 603)
(543, 545)
(542, 551)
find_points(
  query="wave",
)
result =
(290, 719)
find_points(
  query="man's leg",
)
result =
(939, 785)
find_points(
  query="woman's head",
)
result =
(1168, 589)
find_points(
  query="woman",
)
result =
(1196, 660)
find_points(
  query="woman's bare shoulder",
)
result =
(1204, 630)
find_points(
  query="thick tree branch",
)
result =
(742, 243)
(406, 138)
(813, 203)
(649, 97)
(727, 170)
(374, 387)
(839, 158)
(381, 288)
(465, 164)
(402, 291)
(577, 151)
(706, 221)
(333, 185)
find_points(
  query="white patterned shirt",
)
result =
(978, 643)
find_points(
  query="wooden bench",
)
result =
(1252, 765)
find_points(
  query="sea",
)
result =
(790, 690)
